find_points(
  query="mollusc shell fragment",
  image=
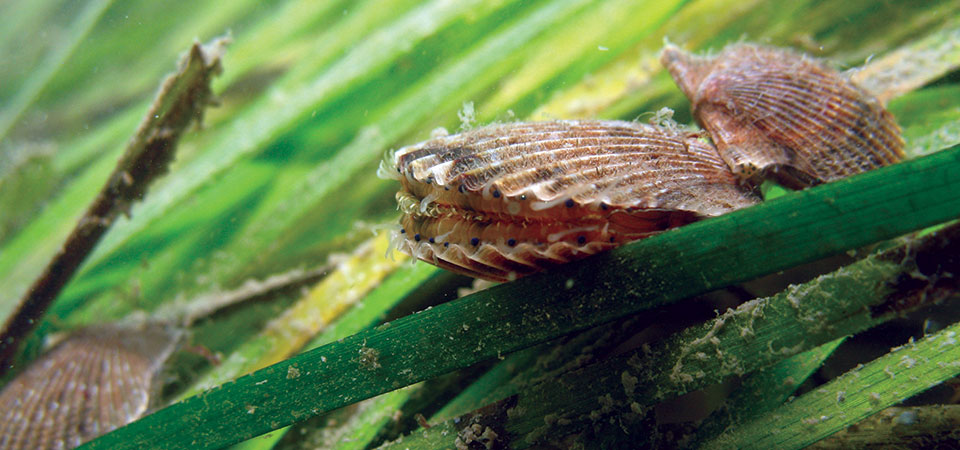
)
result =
(508, 200)
(93, 381)
(773, 112)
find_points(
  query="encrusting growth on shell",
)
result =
(775, 113)
(507, 200)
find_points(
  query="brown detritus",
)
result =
(614, 424)
(369, 358)
(931, 267)
(629, 383)
(476, 434)
(484, 428)
(422, 421)
(293, 372)
(932, 426)
(774, 113)
(179, 103)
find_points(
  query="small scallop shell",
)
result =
(774, 112)
(508, 200)
(94, 381)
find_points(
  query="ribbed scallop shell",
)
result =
(507, 200)
(773, 112)
(94, 381)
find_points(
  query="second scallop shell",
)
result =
(95, 380)
(507, 200)
(773, 112)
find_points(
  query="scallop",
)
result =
(93, 381)
(775, 113)
(507, 200)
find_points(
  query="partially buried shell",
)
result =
(507, 200)
(773, 112)
(93, 381)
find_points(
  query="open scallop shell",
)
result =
(773, 112)
(95, 380)
(507, 200)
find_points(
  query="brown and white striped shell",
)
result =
(507, 200)
(773, 112)
(95, 380)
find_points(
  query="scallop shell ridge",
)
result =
(94, 381)
(775, 112)
(510, 199)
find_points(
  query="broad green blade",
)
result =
(795, 228)
(886, 381)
